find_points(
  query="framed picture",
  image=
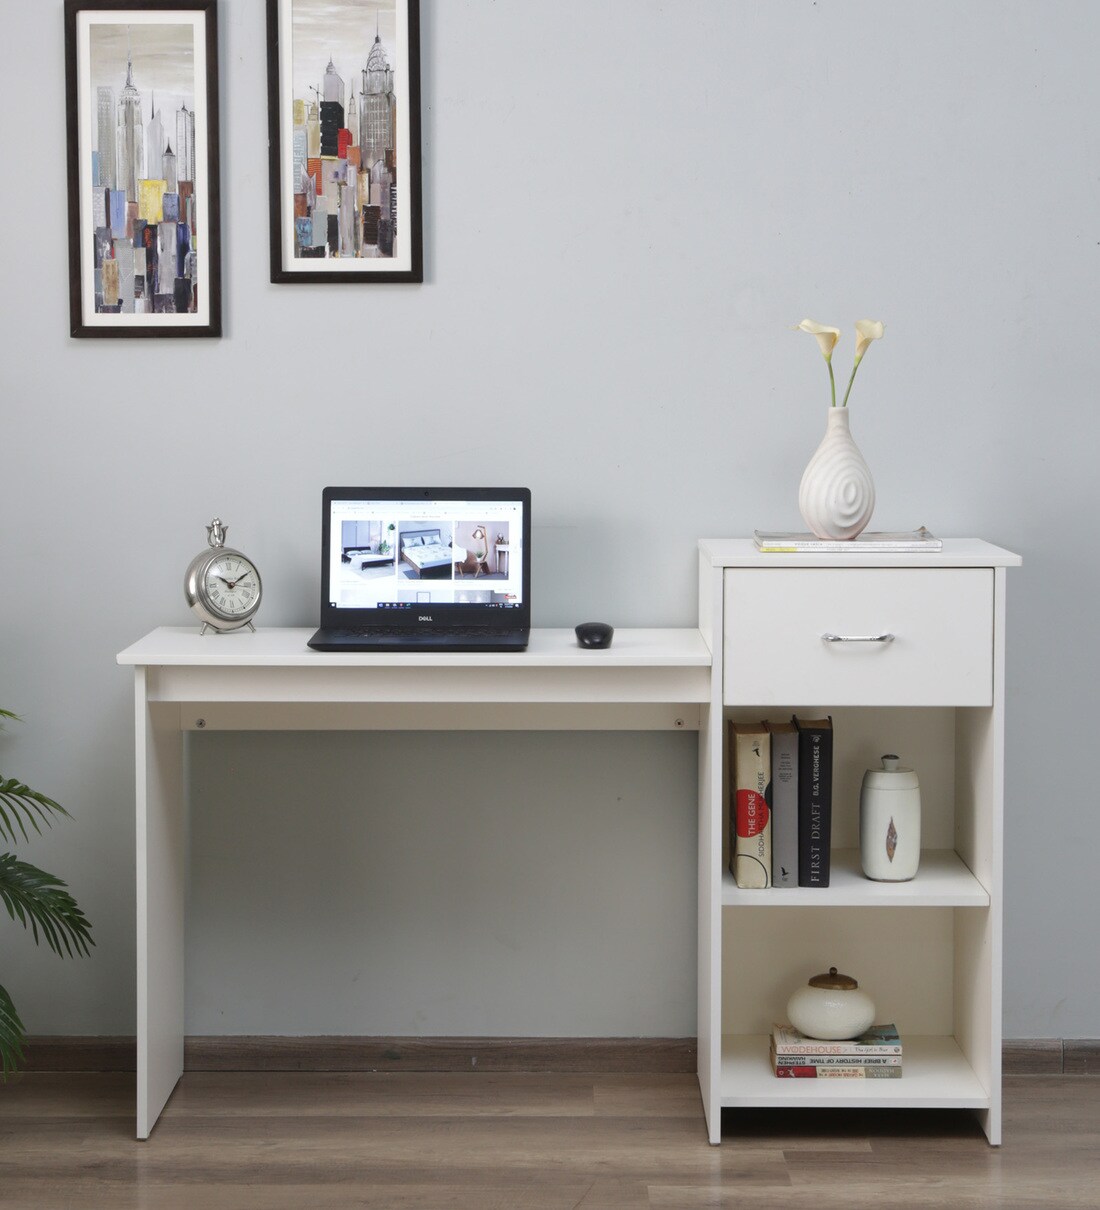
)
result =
(144, 231)
(344, 98)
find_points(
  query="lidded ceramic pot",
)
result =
(889, 822)
(831, 1007)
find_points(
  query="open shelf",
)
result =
(935, 1075)
(943, 880)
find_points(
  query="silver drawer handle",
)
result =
(829, 637)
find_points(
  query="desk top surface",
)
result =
(285, 646)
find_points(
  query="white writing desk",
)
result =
(270, 680)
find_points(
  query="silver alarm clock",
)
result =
(222, 585)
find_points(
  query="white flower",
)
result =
(866, 331)
(826, 337)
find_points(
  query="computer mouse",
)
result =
(594, 634)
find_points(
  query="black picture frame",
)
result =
(196, 275)
(392, 215)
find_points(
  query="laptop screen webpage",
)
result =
(395, 556)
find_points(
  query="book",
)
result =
(878, 1040)
(853, 1071)
(815, 799)
(902, 542)
(835, 1060)
(750, 831)
(784, 738)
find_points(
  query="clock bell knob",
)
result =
(216, 531)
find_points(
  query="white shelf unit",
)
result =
(928, 951)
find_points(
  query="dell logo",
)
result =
(424, 618)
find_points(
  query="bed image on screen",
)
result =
(425, 553)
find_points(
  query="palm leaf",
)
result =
(19, 804)
(12, 1034)
(40, 902)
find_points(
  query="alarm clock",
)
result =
(222, 585)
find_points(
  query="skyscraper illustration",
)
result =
(129, 141)
(185, 143)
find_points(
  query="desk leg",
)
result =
(161, 868)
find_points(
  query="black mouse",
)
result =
(594, 634)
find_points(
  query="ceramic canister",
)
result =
(889, 822)
(831, 1007)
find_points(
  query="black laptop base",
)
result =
(394, 639)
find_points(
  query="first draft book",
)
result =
(751, 833)
(815, 799)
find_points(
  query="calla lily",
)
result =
(826, 337)
(866, 331)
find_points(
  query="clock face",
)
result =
(231, 585)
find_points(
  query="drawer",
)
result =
(941, 620)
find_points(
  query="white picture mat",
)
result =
(401, 261)
(85, 20)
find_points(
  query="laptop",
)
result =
(425, 569)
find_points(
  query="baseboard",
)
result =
(328, 1053)
(67, 1053)
(1020, 1056)
(1032, 1057)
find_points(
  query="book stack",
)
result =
(908, 542)
(874, 1055)
(781, 794)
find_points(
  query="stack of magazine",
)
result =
(874, 1055)
(904, 542)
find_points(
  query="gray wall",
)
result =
(627, 205)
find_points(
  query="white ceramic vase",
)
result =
(837, 495)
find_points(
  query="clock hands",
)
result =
(231, 584)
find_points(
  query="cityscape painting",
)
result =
(143, 181)
(344, 96)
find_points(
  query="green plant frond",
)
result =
(40, 902)
(7, 714)
(12, 1035)
(20, 805)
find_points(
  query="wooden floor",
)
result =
(263, 1141)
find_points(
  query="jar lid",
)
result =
(891, 775)
(834, 981)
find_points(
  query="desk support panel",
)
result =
(161, 874)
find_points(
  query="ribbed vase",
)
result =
(837, 495)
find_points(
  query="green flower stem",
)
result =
(850, 381)
(832, 380)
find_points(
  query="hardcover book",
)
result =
(751, 833)
(878, 1040)
(815, 800)
(784, 737)
(867, 1060)
(854, 1071)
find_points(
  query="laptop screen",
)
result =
(390, 553)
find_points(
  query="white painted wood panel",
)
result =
(941, 621)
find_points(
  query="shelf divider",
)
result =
(943, 880)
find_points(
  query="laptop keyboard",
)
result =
(429, 632)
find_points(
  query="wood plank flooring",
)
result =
(509, 1141)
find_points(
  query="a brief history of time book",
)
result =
(784, 804)
(815, 799)
(751, 833)
(864, 1060)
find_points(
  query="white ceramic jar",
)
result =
(831, 1007)
(889, 822)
